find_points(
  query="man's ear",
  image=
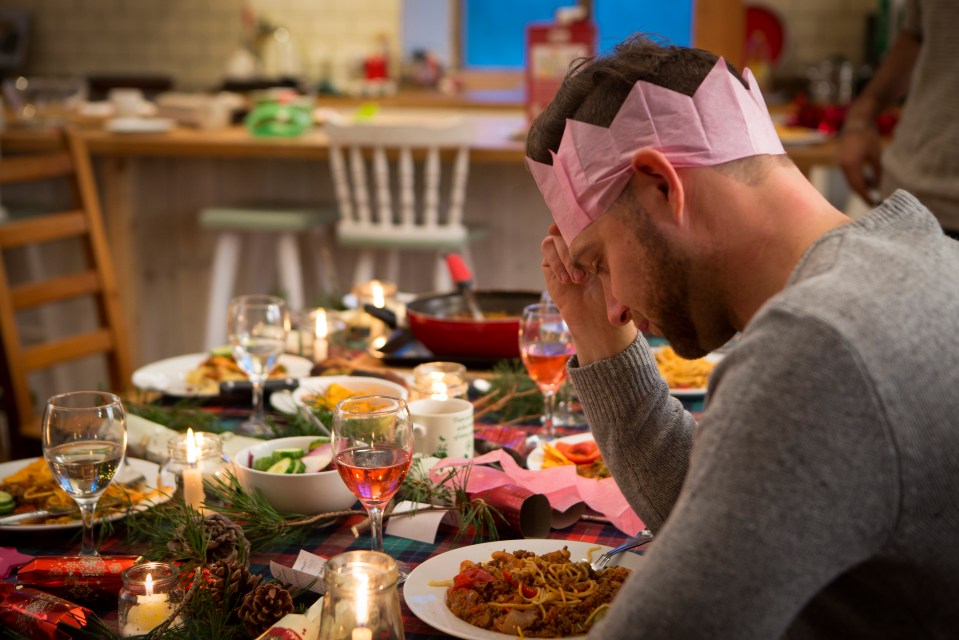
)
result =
(657, 185)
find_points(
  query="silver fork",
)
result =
(638, 540)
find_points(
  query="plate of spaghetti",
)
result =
(515, 588)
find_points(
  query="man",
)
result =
(924, 154)
(818, 495)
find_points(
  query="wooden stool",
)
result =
(287, 223)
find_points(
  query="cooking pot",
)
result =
(443, 324)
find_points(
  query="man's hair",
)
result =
(595, 88)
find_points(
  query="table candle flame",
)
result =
(321, 331)
(192, 477)
(191, 446)
(362, 632)
(148, 584)
(376, 291)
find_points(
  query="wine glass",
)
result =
(373, 448)
(84, 439)
(545, 344)
(257, 326)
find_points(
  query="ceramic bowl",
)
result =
(304, 493)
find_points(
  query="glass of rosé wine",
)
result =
(372, 448)
(545, 345)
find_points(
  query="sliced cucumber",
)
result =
(284, 465)
(298, 466)
(262, 464)
(289, 453)
(7, 503)
(318, 442)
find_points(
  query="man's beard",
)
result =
(669, 290)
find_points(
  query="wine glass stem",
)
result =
(376, 528)
(257, 399)
(87, 510)
(549, 409)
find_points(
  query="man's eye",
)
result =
(597, 267)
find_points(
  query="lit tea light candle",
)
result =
(193, 494)
(361, 631)
(376, 292)
(321, 332)
(150, 611)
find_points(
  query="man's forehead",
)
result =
(584, 243)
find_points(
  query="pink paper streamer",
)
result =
(10, 559)
(561, 486)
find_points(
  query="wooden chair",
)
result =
(82, 225)
(376, 170)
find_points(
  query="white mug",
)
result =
(442, 428)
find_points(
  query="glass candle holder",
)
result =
(439, 381)
(318, 334)
(150, 594)
(361, 600)
(194, 459)
(378, 293)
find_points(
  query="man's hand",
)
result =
(580, 299)
(859, 157)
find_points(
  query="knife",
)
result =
(17, 518)
(273, 384)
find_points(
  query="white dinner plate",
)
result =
(691, 392)
(150, 471)
(169, 376)
(429, 603)
(365, 385)
(138, 125)
(534, 461)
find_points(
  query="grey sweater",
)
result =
(818, 496)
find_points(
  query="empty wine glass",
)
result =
(545, 344)
(373, 448)
(84, 438)
(257, 326)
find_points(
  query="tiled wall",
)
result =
(818, 29)
(192, 40)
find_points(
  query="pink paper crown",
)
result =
(723, 121)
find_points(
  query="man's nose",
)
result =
(617, 313)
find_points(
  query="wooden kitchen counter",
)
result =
(499, 139)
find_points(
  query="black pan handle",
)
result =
(381, 313)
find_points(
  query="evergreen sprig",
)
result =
(261, 522)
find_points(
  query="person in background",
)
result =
(923, 156)
(816, 495)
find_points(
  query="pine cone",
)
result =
(225, 539)
(263, 607)
(231, 581)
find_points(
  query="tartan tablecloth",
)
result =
(337, 538)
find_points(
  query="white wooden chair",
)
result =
(377, 166)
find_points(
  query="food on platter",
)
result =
(316, 457)
(791, 134)
(332, 395)
(33, 488)
(533, 596)
(585, 455)
(681, 373)
(219, 367)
